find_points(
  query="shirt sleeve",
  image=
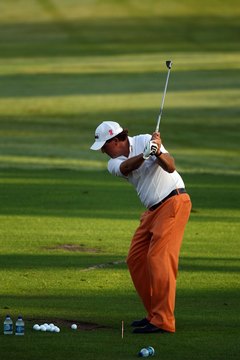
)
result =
(163, 150)
(114, 166)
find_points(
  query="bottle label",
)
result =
(19, 330)
(8, 328)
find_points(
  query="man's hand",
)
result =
(150, 149)
(157, 139)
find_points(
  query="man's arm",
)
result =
(166, 161)
(131, 164)
(135, 162)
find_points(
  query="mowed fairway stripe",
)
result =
(80, 104)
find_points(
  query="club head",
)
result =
(169, 64)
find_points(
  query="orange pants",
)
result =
(153, 258)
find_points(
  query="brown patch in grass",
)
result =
(73, 248)
(102, 266)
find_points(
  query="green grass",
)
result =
(42, 281)
(65, 66)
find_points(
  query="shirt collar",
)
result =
(130, 139)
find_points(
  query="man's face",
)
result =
(112, 148)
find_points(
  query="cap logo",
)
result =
(110, 132)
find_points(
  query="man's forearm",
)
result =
(166, 161)
(131, 164)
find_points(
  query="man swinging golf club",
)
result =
(154, 252)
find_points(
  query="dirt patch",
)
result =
(73, 248)
(82, 325)
(102, 266)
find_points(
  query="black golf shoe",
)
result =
(149, 329)
(140, 323)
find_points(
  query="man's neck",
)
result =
(126, 149)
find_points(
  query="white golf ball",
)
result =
(43, 328)
(56, 329)
(51, 327)
(74, 326)
(36, 327)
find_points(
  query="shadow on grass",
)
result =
(59, 84)
(194, 146)
(197, 309)
(60, 261)
(57, 134)
(209, 264)
(106, 262)
(109, 36)
(91, 194)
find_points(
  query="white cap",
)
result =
(105, 131)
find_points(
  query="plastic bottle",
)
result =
(143, 353)
(8, 326)
(19, 326)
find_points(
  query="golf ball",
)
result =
(151, 350)
(52, 328)
(143, 353)
(36, 327)
(43, 328)
(56, 329)
(74, 327)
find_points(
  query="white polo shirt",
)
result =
(152, 183)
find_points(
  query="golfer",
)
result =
(154, 252)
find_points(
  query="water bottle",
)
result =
(143, 353)
(19, 326)
(8, 326)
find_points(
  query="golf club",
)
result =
(169, 65)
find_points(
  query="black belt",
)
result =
(172, 193)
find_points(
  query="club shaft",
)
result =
(163, 99)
